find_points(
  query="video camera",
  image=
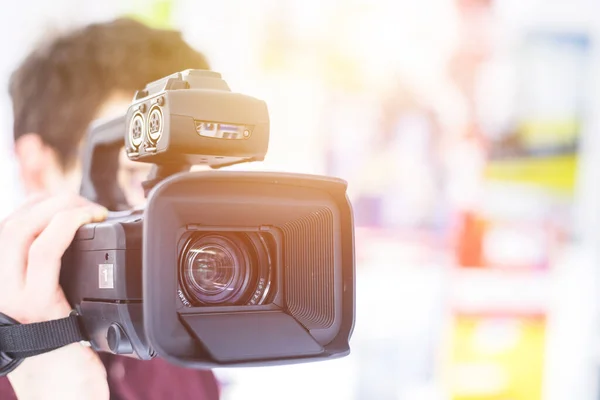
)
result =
(220, 268)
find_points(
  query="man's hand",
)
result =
(32, 242)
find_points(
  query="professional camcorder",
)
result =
(220, 268)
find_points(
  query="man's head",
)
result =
(89, 73)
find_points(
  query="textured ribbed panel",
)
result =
(309, 264)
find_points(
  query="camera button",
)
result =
(117, 340)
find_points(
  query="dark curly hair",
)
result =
(60, 87)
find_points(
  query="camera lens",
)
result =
(224, 269)
(211, 269)
(215, 269)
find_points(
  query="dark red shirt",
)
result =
(131, 379)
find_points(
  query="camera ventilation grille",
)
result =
(309, 269)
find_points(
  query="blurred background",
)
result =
(468, 131)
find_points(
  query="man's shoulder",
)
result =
(131, 379)
(6, 390)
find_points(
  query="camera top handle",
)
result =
(101, 165)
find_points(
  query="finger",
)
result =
(11, 271)
(45, 253)
(32, 199)
(20, 230)
(6, 270)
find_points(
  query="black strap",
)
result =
(18, 341)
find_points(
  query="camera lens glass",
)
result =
(212, 268)
(215, 269)
(225, 269)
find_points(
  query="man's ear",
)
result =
(37, 161)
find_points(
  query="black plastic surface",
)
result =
(101, 163)
(112, 246)
(119, 231)
(241, 199)
(117, 340)
(98, 317)
(266, 335)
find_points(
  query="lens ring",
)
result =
(262, 267)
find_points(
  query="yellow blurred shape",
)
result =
(497, 358)
(154, 13)
(549, 133)
(557, 173)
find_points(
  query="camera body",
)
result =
(220, 268)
